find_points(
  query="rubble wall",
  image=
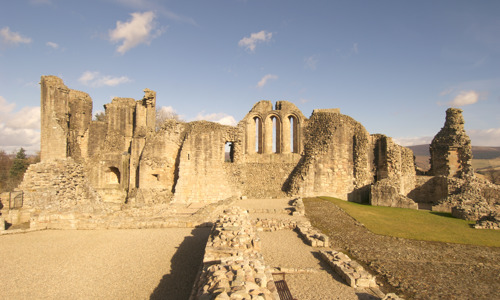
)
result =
(331, 165)
(451, 150)
(57, 186)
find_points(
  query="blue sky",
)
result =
(394, 66)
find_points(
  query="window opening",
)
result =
(113, 175)
(294, 147)
(229, 152)
(274, 141)
(276, 136)
(258, 135)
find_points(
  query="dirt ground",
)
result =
(416, 269)
(101, 264)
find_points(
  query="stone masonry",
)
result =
(127, 160)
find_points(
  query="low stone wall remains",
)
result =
(351, 271)
(300, 209)
(312, 236)
(274, 224)
(233, 266)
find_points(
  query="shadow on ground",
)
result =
(184, 267)
(442, 214)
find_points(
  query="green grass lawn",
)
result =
(418, 224)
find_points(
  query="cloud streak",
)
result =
(12, 38)
(413, 141)
(465, 98)
(96, 79)
(140, 29)
(265, 79)
(250, 43)
(52, 45)
(485, 137)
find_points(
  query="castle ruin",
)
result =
(274, 152)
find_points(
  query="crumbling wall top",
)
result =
(451, 150)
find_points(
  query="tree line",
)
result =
(12, 168)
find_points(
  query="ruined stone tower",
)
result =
(451, 150)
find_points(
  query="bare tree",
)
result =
(165, 113)
(100, 116)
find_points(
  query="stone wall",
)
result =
(202, 176)
(158, 167)
(451, 151)
(430, 190)
(336, 157)
(395, 174)
(58, 186)
(274, 151)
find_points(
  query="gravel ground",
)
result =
(264, 203)
(101, 264)
(419, 269)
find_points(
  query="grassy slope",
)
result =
(418, 224)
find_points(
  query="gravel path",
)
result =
(285, 248)
(101, 264)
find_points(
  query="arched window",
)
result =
(258, 134)
(276, 140)
(294, 143)
(113, 175)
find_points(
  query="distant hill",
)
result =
(478, 152)
(483, 158)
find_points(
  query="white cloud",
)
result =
(52, 45)
(19, 129)
(258, 37)
(95, 79)
(465, 98)
(167, 110)
(12, 38)
(139, 30)
(6, 107)
(264, 80)
(485, 137)
(27, 118)
(311, 62)
(221, 118)
(413, 141)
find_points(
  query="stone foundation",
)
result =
(352, 272)
(233, 266)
